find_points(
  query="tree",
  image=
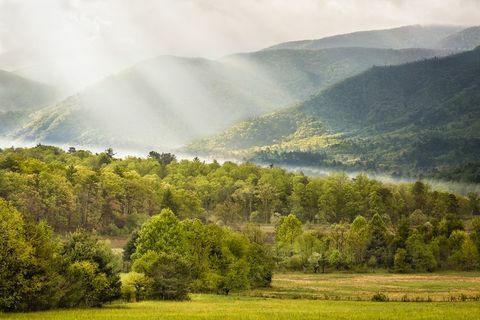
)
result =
(260, 266)
(464, 254)
(169, 275)
(162, 233)
(130, 246)
(236, 277)
(288, 229)
(93, 271)
(422, 258)
(400, 261)
(30, 264)
(357, 239)
(377, 246)
(135, 286)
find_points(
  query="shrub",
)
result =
(135, 286)
(169, 275)
(379, 297)
(93, 272)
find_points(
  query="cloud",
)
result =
(103, 35)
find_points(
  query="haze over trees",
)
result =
(418, 117)
(178, 100)
(195, 227)
(402, 101)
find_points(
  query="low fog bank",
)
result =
(438, 185)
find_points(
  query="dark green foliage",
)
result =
(92, 272)
(130, 246)
(169, 275)
(217, 259)
(379, 297)
(421, 117)
(38, 272)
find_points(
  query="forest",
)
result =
(207, 227)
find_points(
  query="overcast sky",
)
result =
(113, 32)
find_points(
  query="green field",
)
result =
(450, 286)
(303, 297)
(235, 307)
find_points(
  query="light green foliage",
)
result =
(240, 308)
(420, 253)
(135, 286)
(217, 259)
(465, 253)
(288, 229)
(30, 265)
(161, 233)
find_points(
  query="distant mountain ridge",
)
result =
(414, 36)
(170, 101)
(19, 97)
(419, 115)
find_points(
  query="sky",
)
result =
(91, 38)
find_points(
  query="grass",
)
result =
(397, 287)
(303, 297)
(237, 307)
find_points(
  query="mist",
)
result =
(71, 44)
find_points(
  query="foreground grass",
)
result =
(453, 286)
(235, 307)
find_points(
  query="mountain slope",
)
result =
(18, 97)
(467, 39)
(419, 115)
(415, 36)
(169, 101)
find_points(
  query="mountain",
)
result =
(466, 39)
(415, 36)
(169, 101)
(18, 97)
(418, 116)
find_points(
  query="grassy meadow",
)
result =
(448, 286)
(238, 307)
(302, 296)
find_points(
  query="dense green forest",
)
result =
(114, 196)
(420, 117)
(207, 227)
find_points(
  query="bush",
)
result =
(379, 297)
(93, 271)
(169, 275)
(135, 286)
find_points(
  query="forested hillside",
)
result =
(466, 39)
(18, 98)
(169, 101)
(414, 36)
(413, 118)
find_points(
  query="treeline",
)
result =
(98, 192)
(415, 243)
(169, 258)
(176, 211)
